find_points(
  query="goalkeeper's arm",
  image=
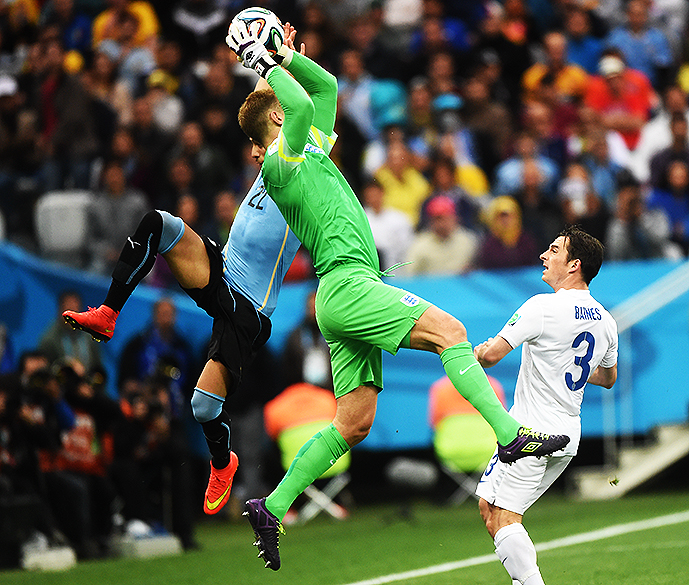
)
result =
(318, 83)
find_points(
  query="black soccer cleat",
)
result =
(531, 443)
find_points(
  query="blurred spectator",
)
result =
(140, 13)
(179, 183)
(113, 215)
(587, 127)
(437, 34)
(22, 433)
(186, 208)
(211, 170)
(644, 47)
(134, 60)
(678, 150)
(655, 134)
(509, 176)
(623, 96)
(541, 215)
(151, 466)
(199, 25)
(673, 200)
(503, 42)
(68, 124)
(603, 170)
(445, 247)
(580, 203)
(363, 34)
(539, 122)
(20, 156)
(224, 209)
(457, 143)
(405, 187)
(490, 122)
(161, 352)
(392, 230)
(444, 182)
(152, 146)
(569, 80)
(66, 346)
(73, 24)
(583, 48)
(81, 465)
(306, 357)
(507, 244)
(441, 72)
(168, 108)
(636, 233)
(355, 85)
(102, 82)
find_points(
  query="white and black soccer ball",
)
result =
(266, 25)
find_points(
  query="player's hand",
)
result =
(249, 50)
(290, 32)
(481, 347)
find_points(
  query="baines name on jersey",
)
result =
(592, 314)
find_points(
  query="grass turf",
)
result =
(377, 541)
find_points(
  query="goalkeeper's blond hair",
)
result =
(253, 115)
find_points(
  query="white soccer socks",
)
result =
(518, 554)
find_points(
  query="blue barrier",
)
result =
(482, 300)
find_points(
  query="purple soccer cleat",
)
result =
(267, 529)
(531, 443)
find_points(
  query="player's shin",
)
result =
(468, 377)
(157, 232)
(315, 457)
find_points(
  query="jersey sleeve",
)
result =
(525, 325)
(610, 357)
(321, 87)
(296, 127)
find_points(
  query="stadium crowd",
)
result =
(473, 131)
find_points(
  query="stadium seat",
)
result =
(291, 419)
(61, 219)
(463, 441)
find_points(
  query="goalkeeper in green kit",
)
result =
(291, 130)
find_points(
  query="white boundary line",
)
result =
(601, 534)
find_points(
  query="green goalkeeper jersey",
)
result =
(310, 191)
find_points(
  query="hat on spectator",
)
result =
(160, 78)
(388, 103)
(441, 205)
(447, 101)
(610, 66)
(8, 85)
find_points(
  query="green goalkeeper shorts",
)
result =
(359, 315)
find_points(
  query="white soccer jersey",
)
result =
(566, 336)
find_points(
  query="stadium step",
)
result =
(636, 466)
(146, 547)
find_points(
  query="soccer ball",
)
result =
(266, 25)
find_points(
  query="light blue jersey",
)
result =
(259, 250)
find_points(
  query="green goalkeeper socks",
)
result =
(468, 377)
(315, 457)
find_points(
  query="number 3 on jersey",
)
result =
(581, 361)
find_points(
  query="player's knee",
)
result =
(455, 332)
(356, 432)
(205, 406)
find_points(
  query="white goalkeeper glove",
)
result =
(250, 51)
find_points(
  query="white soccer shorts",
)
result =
(515, 487)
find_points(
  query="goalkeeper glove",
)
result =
(250, 51)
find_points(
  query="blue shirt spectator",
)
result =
(645, 48)
(583, 48)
